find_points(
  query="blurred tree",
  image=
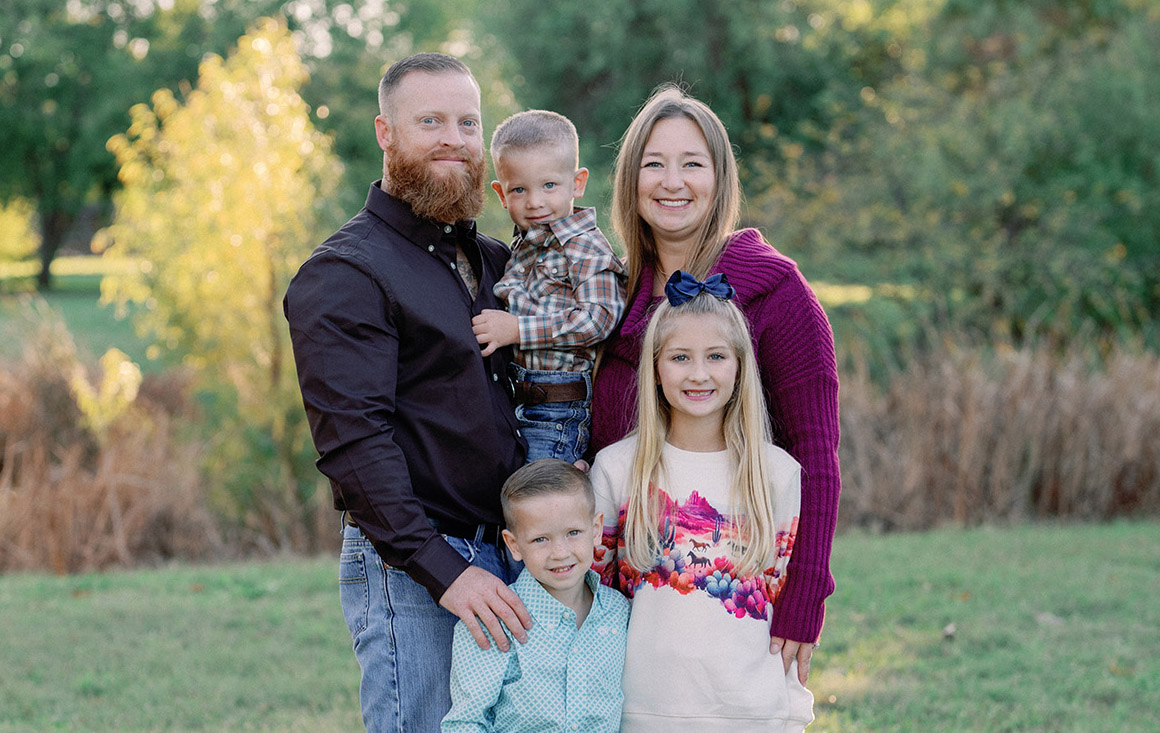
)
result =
(225, 193)
(1009, 171)
(18, 236)
(68, 74)
(777, 73)
(70, 71)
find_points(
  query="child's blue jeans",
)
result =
(555, 429)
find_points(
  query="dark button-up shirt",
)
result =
(409, 420)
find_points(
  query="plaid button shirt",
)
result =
(565, 285)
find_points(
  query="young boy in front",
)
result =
(564, 286)
(567, 676)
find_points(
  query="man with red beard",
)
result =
(414, 427)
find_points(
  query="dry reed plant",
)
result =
(137, 502)
(963, 438)
(71, 501)
(958, 437)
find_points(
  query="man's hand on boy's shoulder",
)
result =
(482, 600)
(495, 328)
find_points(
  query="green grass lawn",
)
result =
(259, 647)
(75, 295)
(1048, 628)
(1054, 629)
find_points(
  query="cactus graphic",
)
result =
(717, 529)
(669, 535)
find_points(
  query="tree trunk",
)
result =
(53, 226)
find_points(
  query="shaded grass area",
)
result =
(1046, 628)
(245, 647)
(76, 292)
(1054, 629)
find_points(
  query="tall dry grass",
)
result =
(965, 438)
(960, 437)
(72, 501)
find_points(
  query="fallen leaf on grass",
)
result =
(1045, 618)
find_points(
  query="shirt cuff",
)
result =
(436, 565)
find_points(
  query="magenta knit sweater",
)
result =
(795, 354)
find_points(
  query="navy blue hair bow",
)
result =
(683, 287)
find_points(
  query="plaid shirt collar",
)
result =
(582, 219)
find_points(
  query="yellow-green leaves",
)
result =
(222, 192)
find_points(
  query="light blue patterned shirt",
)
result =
(563, 679)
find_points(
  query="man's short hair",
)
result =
(543, 477)
(534, 128)
(430, 63)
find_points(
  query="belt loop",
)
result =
(479, 529)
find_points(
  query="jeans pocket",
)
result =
(354, 591)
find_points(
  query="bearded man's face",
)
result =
(434, 146)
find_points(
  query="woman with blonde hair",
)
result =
(676, 206)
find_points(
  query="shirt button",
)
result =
(453, 267)
(447, 230)
(430, 248)
(495, 377)
(575, 726)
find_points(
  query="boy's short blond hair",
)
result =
(545, 476)
(534, 128)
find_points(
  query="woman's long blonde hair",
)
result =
(746, 432)
(667, 101)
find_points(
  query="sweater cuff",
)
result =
(436, 565)
(800, 610)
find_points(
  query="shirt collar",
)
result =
(399, 216)
(541, 604)
(582, 219)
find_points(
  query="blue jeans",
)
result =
(402, 637)
(555, 429)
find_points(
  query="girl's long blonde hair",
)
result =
(668, 101)
(746, 429)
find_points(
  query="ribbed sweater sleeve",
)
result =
(795, 352)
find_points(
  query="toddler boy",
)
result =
(564, 286)
(568, 674)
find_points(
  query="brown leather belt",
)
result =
(492, 533)
(534, 393)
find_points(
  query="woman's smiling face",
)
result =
(675, 185)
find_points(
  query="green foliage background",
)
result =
(997, 160)
(979, 171)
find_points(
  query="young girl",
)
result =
(705, 513)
